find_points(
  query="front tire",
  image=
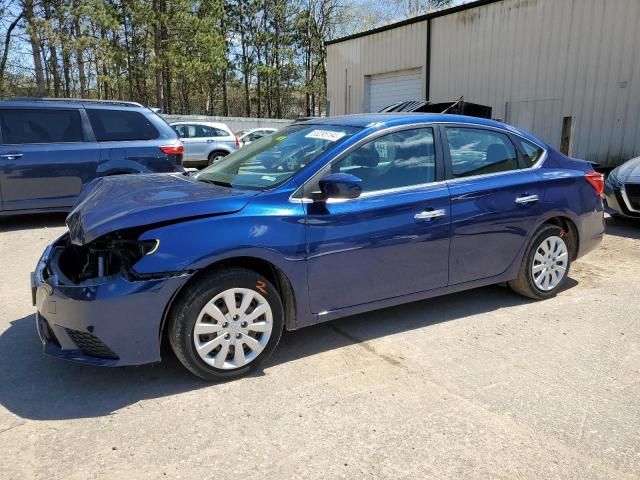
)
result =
(545, 266)
(226, 324)
(216, 157)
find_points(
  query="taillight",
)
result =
(237, 142)
(174, 149)
(596, 180)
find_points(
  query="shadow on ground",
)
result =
(623, 227)
(37, 387)
(29, 222)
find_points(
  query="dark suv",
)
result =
(50, 148)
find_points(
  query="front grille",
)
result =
(91, 345)
(633, 194)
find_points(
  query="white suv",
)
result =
(205, 142)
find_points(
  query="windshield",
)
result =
(273, 159)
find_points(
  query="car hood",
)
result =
(114, 203)
(629, 171)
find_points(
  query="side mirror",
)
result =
(340, 186)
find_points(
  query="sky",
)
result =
(374, 13)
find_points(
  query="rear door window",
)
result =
(206, 131)
(476, 151)
(120, 125)
(531, 152)
(181, 130)
(217, 132)
(21, 126)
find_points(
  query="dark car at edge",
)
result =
(622, 190)
(324, 219)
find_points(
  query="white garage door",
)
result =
(388, 88)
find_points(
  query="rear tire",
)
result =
(545, 266)
(226, 324)
(216, 157)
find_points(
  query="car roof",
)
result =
(384, 120)
(67, 102)
(395, 118)
(201, 122)
(251, 130)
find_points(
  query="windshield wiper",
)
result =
(216, 182)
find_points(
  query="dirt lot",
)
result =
(482, 384)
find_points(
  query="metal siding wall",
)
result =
(562, 57)
(401, 48)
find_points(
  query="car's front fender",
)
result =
(276, 236)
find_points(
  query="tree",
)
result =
(32, 31)
(224, 57)
(321, 19)
(7, 41)
(412, 8)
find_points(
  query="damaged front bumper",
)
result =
(108, 321)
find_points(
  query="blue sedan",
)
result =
(324, 219)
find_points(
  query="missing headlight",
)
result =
(113, 254)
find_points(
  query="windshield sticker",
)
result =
(280, 138)
(325, 135)
(268, 177)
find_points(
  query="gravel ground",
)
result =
(481, 384)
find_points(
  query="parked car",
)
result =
(50, 148)
(247, 136)
(205, 142)
(622, 190)
(326, 219)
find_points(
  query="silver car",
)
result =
(248, 136)
(205, 142)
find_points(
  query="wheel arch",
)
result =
(219, 149)
(259, 265)
(568, 226)
(561, 219)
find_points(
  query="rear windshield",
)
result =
(23, 125)
(275, 158)
(120, 125)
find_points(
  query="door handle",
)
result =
(11, 156)
(428, 215)
(210, 141)
(527, 199)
